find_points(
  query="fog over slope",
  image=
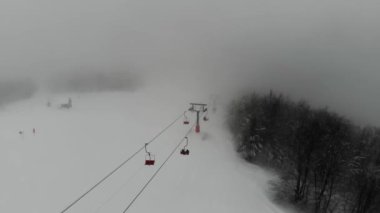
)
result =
(16, 90)
(326, 51)
(93, 81)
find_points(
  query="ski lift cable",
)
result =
(153, 176)
(121, 165)
(101, 206)
(187, 141)
(158, 170)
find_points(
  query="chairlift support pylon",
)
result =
(198, 108)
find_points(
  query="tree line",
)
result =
(325, 162)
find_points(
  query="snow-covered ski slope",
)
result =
(73, 149)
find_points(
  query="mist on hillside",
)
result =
(88, 82)
(16, 90)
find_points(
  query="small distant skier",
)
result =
(21, 133)
(34, 131)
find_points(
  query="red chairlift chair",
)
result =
(149, 158)
(185, 119)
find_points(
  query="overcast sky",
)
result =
(326, 51)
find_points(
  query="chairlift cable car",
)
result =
(149, 158)
(184, 150)
(185, 119)
(205, 117)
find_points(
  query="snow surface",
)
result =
(73, 149)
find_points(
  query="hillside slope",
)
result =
(73, 149)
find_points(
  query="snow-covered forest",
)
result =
(326, 163)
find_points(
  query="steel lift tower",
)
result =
(198, 108)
